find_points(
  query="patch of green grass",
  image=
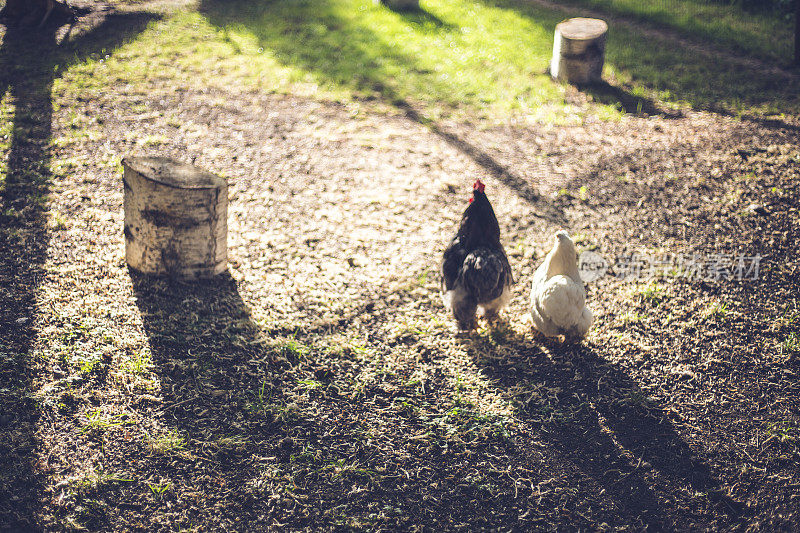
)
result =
(346, 347)
(63, 168)
(138, 363)
(152, 140)
(465, 423)
(159, 489)
(409, 328)
(82, 346)
(767, 34)
(98, 478)
(307, 456)
(308, 384)
(716, 309)
(263, 404)
(784, 431)
(292, 350)
(406, 407)
(630, 317)
(99, 420)
(422, 279)
(231, 443)
(453, 55)
(450, 54)
(791, 344)
(638, 398)
(651, 293)
(340, 468)
(166, 443)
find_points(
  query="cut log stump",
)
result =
(402, 5)
(176, 218)
(579, 50)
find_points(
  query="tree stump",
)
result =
(176, 218)
(579, 50)
(402, 5)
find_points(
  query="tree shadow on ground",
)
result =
(362, 60)
(30, 61)
(230, 388)
(424, 19)
(620, 448)
(390, 454)
(605, 93)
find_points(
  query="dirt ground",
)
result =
(320, 383)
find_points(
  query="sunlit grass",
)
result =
(457, 55)
(487, 57)
(765, 34)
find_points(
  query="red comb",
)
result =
(479, 186)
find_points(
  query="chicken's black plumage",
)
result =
(475, 269)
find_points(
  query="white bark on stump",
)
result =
(402, 5)
(176, 218)
(579, 50)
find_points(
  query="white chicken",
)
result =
(558, 298)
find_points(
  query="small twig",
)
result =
(177, 404)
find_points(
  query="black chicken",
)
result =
(476, 275)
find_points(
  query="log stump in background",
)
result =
(176, 218)
(579, 50)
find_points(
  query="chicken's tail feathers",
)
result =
(485, 274)
(451, 265)
(585, 321)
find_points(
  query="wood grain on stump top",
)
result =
(582, 28)
(174, 173)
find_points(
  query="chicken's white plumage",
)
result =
(558, 298)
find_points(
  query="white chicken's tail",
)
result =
(558, 307)
(582, 327)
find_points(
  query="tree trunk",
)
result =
(797, 32)
(402, 5)
(579, 50)
(35, 12)
(176, 218)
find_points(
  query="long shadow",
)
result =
(30, 61)
(424, 19)
(606, 93)
(204, 347)
(226, 388)
(197, 331)
(361, 60)
(604, 425)
(230, 392)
